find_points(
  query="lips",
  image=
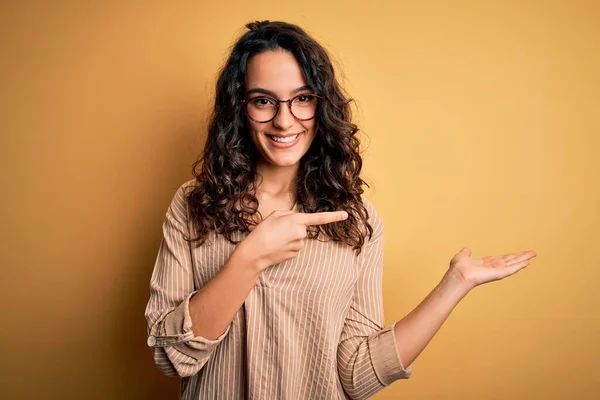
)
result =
(283, 141)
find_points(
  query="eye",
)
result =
(305, 98)
(262, 102)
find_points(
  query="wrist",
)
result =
(248, 258)
(455, 283)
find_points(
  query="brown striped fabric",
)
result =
(311, 328)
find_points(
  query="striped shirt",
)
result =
(311, 328)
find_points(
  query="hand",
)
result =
(476, 271)
(280, 236)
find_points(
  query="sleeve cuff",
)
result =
(179, 323)
(384, 356)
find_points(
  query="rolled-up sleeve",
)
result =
(367, 356)
(177, 352)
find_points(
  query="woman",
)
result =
(268, 282)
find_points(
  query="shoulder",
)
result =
(374, 220)
(178, 209)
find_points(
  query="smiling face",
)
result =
(283, 141)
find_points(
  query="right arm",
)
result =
(178, 350)
(186, 326)
(211, 311)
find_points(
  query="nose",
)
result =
(284, 118)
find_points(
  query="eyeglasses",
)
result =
(264, 108)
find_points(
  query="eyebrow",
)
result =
(269, 93)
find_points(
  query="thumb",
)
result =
(466, 251)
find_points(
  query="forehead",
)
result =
(276, 71)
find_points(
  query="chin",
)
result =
(286, 163)
(282, 160)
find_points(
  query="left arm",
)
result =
(415, 331)
(371, 356)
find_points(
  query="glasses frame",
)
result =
(278, 102)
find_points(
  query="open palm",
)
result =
(477, 271)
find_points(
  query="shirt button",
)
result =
(151, 341)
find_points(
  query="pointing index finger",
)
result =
(321, 218)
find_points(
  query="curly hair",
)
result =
(223, 197)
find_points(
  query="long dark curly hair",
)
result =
(223, 198)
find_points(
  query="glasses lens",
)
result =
(304, 106)
(261, 109)
(264, 109)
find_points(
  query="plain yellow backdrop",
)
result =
(482, 129)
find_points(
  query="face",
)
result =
(282, 141)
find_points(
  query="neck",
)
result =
(276, 181)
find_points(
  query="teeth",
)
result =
(288, 139)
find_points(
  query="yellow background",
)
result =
(483, 130)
